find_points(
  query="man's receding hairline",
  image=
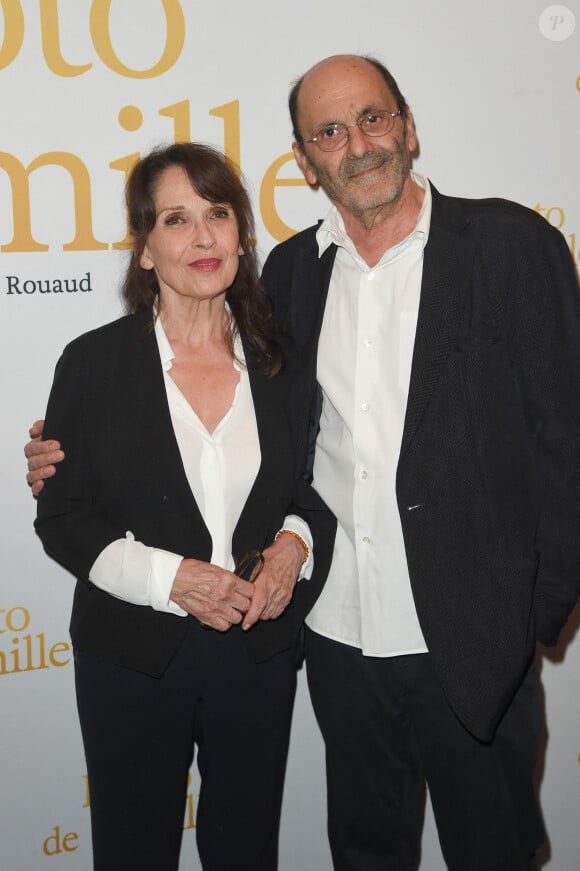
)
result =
(378, 66)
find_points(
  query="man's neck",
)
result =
(374, 232)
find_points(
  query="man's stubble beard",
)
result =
(349, 194)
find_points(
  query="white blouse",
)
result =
(221, 468)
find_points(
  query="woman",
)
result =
(180, 459)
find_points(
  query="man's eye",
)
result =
(329, 132)
(369, 120)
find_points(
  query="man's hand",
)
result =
(215, 597)
(41, 456)
(275, 584)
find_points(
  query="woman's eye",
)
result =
(173, 219)
(221, 213)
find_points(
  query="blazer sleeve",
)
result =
(546, 347)
(70, 527)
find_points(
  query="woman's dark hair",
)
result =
(215, 179)
(380, 68)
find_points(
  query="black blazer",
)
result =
(123, 471)
(488, 480)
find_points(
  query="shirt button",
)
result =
(371, 276)
(364, 475)
(365, 406)
(366, 540)
(367, 343)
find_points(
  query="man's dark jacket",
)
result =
(488, 479)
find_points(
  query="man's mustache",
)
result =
(354, 165)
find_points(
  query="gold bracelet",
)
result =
(298, 538)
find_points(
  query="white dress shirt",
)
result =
(371, 316)
(221, 468)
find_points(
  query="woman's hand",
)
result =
(215, 597)
(275, 584)
(41, 457)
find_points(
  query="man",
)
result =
(444, 336)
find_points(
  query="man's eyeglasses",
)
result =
(249, 566)
(331, 137)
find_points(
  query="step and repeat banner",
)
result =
(85, 88)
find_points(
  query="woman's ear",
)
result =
(145, 261)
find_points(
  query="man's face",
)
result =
(368, 172)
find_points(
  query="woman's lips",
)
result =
(207, 264)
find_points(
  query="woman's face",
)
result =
(194, 246)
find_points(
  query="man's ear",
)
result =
(305, 166)
(412, 141)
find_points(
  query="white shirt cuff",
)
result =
(136, 573)
(301, 528)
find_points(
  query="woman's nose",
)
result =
(202, 237)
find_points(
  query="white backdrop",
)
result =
(86, 86)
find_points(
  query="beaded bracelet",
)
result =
(298, 538)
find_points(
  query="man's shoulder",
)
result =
(493, 215)
(303, 242)
(502, 231)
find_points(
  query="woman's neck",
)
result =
(195, 322)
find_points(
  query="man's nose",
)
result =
(358, 144)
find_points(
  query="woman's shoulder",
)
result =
(110, 335)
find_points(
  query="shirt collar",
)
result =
(165, 350)
(332, 229)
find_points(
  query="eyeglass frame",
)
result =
(348, 127)
(249, 566)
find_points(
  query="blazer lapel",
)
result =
(269, 398)
(151, 419)
(311, 279)
(446, 271)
